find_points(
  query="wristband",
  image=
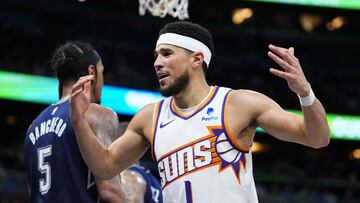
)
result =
(308, 100)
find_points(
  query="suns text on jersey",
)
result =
(190, 158)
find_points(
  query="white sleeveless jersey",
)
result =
(198, 159)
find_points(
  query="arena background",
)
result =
(326, 41)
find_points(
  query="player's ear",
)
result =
(92, 71)
(198, 59)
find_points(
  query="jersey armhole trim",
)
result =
(225, 122)
(156, 115)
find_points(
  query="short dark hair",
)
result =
(65, 62)
(192, 30)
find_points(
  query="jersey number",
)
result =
(44, 168)
(155, 194)
(189, 198)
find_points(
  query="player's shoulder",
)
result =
(245, 94)
(39, 118)
(98, 109)
(247, 98)
(45, 113)
(96, 112)
(143, 120)
(147, 111)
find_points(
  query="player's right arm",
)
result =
(107, 162)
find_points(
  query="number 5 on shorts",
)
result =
(189, 198)
(44, 168)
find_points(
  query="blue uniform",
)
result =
(153, 188)
(56, 171)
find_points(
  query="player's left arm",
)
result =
(105, 124)
(312, 129)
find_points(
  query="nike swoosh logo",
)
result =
(165, 124)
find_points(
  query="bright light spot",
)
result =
(344, 127)
(336, 23)
(258, 147)
(310, 22)
(81, 0)
(356, 154)
(240, 15)
(140, 99)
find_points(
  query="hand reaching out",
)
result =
(292, 71)
(80, 98)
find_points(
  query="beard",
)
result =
(179, 84)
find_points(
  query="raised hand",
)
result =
(291, 72)
(80, 98)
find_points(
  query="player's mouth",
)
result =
(162, 77)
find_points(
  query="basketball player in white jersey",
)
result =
(201, 135)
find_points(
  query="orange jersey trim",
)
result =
(202, 105)
(154, 126)
(227, 129)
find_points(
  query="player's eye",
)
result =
(167, 53)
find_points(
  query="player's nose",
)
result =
(158, 64)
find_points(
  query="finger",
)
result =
(279, 73)
(292, 54)
(76, 87)
(283, 53)
(292, 50)
(74, 94)
(86, 77)
(87, 87)
(79, 84)
(285, 65)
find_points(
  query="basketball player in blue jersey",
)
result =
(201, 135)
(56, 171)
(140, 185)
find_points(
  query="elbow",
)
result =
(327, 141)
(323, 142)
(326, 138)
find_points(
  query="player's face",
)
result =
(172, 65)
(99, 82)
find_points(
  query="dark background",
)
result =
(31, 30)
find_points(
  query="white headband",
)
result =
(187, 43)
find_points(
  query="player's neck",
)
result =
(66, 91)
(192, 95)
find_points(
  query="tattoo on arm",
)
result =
(105, 125)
